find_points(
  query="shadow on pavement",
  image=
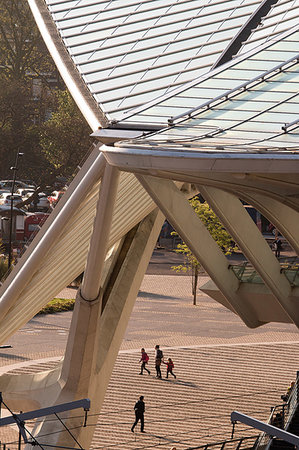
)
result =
(14, 357)
(151, 295)
(181, 382)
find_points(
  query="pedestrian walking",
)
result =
(139, 409)
(277, 247)
(158, 361)
(170, 367)
(144, 360)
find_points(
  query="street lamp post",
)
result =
(14, 169)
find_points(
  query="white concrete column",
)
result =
(13, 286)
(100, 236)
(284, 218)
(96, 335)
(239, 224)
(185, 221)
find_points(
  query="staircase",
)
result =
(289, 421)
(293, 428)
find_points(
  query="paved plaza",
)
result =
(220, 364)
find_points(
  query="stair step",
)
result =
(278, 444)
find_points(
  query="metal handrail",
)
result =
(246, 273)
(232, 92)
(223, 444)
(288, 410)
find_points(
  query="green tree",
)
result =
(24, 90)
(35, 119)
(64, 138)
(218, 233)
(3, 261)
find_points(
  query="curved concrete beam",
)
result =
(239, 224)
(281, 215)
(180, 214)
(96, 334)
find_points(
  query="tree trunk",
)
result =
(195, 284)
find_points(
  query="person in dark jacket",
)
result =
(139, 409)
(158, 361)
(277, 247)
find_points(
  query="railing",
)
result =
(286, 411)
(246, 273)
(229, 444)
(291, 271)
(3, 446)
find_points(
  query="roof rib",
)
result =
(245, 32)
(244, 86)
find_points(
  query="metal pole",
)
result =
(233, 429)
(20, 437)
(14, 168)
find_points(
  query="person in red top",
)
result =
(144, 360)
(170, 366)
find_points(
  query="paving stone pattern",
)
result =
(195, 408)
(220, 364)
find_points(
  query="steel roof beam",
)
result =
(264, 76)
(245, 32)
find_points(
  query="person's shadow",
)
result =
(181, 382)
(14, 357)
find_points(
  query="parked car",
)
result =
(40, 204)
(55, 196)
(25, 192)
(6, 197)
(7, 184)
(29, 183)
(32, 223)
(3, 191)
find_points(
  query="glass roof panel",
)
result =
(147, 47)
(248, 106)
(283, 15)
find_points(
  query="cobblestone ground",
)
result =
(220, 365)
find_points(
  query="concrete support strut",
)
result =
(97, 330)
(237, 221)
(284, 218)
(185, 221)
(92, 174)
(100, 237)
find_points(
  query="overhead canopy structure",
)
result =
(187, 96)
(130, 52)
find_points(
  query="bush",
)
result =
(58, 305)
(3, 265)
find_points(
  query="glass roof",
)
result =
(282, 16)
(130, 52)
(251, 107)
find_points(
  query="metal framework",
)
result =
(130, 66)
(262, 426)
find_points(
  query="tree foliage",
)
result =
(22, 52)
(65, 136)
(218, 233)
(28, 98)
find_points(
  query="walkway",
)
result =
(220, 364)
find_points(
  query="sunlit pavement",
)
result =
(220, 365)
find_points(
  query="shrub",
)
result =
(58, 305)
